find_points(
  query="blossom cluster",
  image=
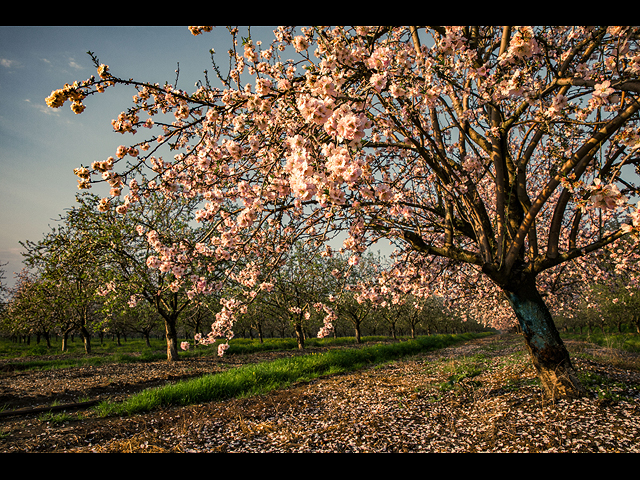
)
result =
(68, 92)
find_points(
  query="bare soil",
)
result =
(478, 397)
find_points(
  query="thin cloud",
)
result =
(73, 64)
(42, 108)
(5, 62)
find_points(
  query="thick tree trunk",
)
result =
(394, 334)
(65, 337)
(548, 353)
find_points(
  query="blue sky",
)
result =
(39, 146)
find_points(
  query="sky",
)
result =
(40, 146)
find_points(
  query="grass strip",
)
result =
(93, 361)
(260, 378)
(137, 353)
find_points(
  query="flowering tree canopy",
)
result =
(481, 152)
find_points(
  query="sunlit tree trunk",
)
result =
(299, 334)
(172, 337)
(86, 338)
(548, 353)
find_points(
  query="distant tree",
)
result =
(296, 289)
(167, 271)
(70, 271)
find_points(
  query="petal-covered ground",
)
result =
(478, 397)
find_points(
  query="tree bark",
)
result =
(65, 337)
(299, 334)
(548, 353)
(172, 338)
(86, 338)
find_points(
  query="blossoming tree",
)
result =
(297, 290)
(494, 149)
(151, 254)
(66, 272)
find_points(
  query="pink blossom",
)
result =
(222, 348)
(234, 149)
(378, 81)
(300, 43)
(397, 91)
(380, 59)
(153, 262)
(263, 86)
(603, 90)
(606, 196)
(523, 43)
(133, 300)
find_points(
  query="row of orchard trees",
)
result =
(99, 272)
(91, 273)
(315, 295)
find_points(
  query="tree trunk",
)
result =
(299, 335)
(357, 333)
(172, 338)
(260, 334)
(548, 353)
(65, 337)
(86, 338)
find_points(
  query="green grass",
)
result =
(606, 388)
(9, 349)
(256, 379)
(136, 351)
(90, 360)
(467, 367)
(55, 418)
(623, 341)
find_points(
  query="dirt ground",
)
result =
(478, 397)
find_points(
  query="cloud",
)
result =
(73, 64)
(42, 108)
(5, 62)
